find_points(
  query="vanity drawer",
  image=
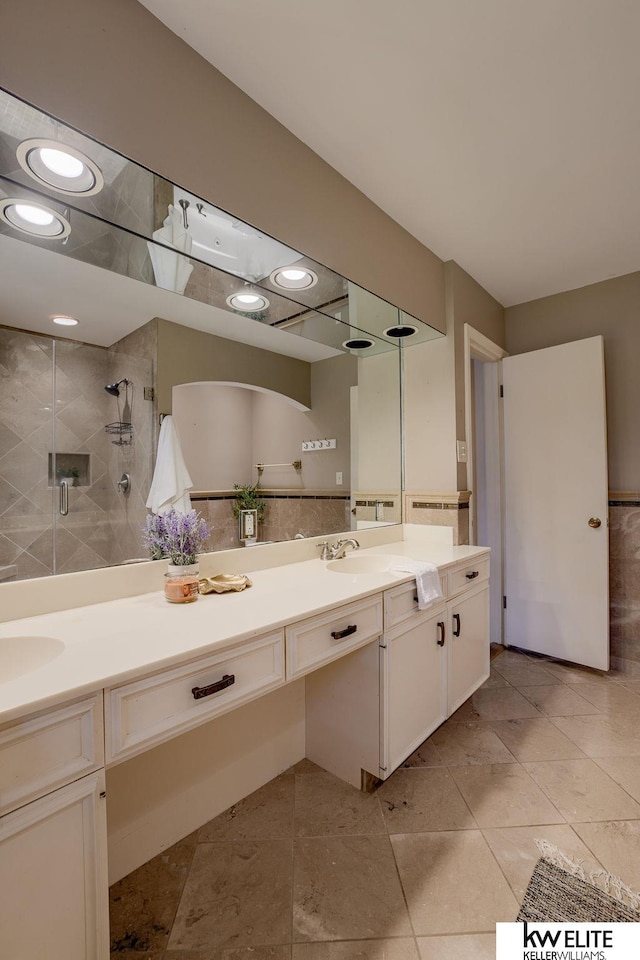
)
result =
(319, 640)
(472, 573)
(149, 711)
(401, 603)
(42, 753)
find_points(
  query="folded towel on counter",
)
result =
(427, 579)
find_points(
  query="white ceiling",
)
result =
(503, 134)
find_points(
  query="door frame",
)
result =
(479, 347)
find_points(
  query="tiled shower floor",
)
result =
(308, 868)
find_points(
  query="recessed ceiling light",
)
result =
(62, 167)
(358, 343)
(294, 278)
(34, 218)
(65, 321)
(248, 302)
(400, 331)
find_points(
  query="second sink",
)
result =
(20, 655)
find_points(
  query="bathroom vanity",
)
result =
(380, 676)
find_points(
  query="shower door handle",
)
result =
(64, 498)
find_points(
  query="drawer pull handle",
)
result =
(472, 576)
(200, 692)
(456, 632)
(441, 628)
(341, 634)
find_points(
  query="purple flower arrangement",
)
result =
(176, 536)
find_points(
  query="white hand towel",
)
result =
(171, 481)
(427, 579)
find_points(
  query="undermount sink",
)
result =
(19, 655)
(370, 563)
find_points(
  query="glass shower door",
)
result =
(61, 508)
(27, 498)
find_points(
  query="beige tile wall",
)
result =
(440, 510)
(624, 585)
(285, 516)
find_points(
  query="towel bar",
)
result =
(296, 464)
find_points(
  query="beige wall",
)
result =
(224, 431)
(214, 423)
(191, 356)
(610, 308)
(470, 303)
(111, 69)
(434, 387)
(378, 442)
(279, 429)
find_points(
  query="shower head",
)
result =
(113, 388)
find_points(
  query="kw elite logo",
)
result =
(567, 941)
(572, 944)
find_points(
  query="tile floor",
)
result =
(308, 868)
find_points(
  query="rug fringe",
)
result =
(609, 883)
(559, 859)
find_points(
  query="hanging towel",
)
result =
(427, 579)
(171, 481)
(171, 270)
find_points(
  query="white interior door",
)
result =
(555, 448)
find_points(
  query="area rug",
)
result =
(560, 892)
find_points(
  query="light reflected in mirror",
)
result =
(266, 387)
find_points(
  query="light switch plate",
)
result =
(462, 450)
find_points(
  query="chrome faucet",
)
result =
(336, 551)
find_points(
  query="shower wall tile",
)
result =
(8, 551)
(8, 439)
(25, 364)
(8, 495)
(21, 468)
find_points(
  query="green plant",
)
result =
(70, 473)
(248, 498)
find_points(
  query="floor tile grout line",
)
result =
(405, 899)
(179, 898)
(499, 865)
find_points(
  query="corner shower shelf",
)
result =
(121, 429)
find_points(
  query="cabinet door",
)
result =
(53, 876)
(413, 683)
(468, 646)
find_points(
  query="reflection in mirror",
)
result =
(260, 387)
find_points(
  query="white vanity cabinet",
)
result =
(467, 644)
(370, 710)
(413, 678)
(53, 849)
(380, 676)
(156, 708)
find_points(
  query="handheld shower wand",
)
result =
(185, 206)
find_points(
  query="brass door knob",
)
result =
(595, 522)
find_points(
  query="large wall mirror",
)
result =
(276, 370)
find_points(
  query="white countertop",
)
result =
(107, 643)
